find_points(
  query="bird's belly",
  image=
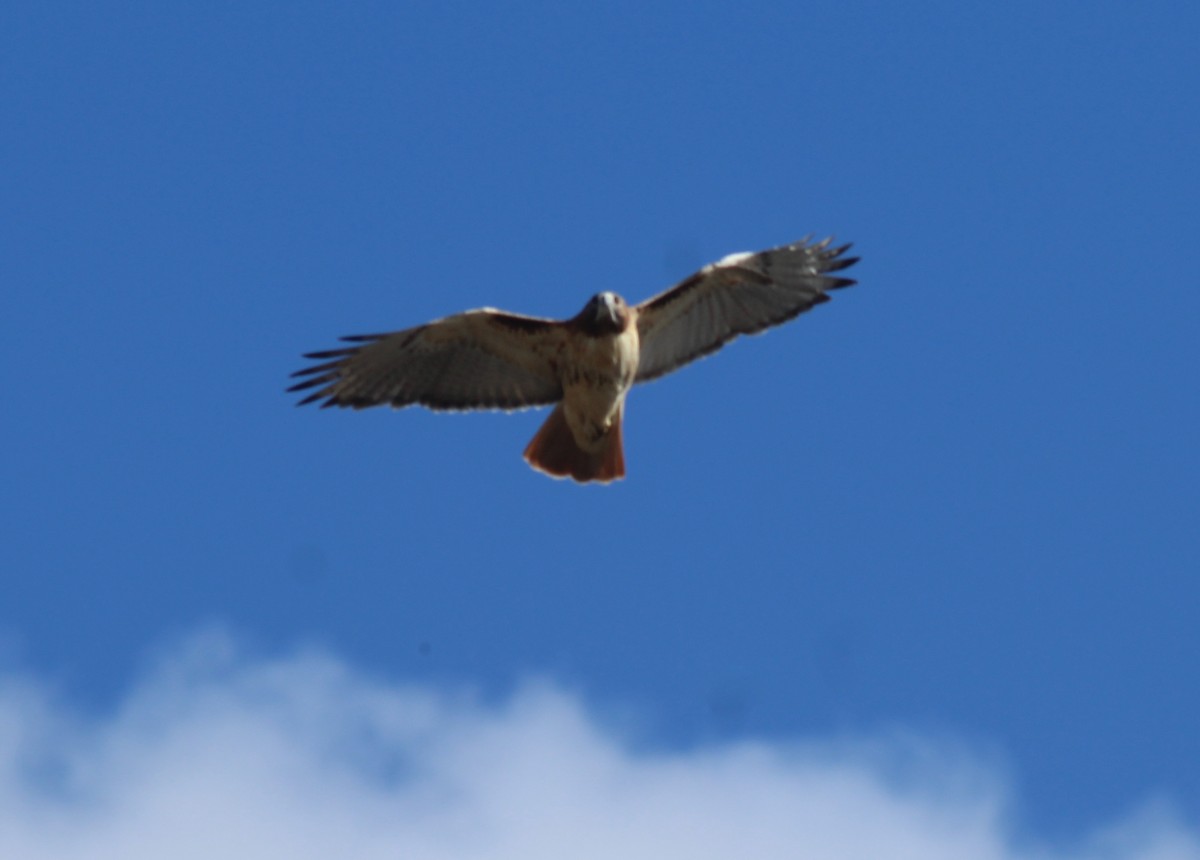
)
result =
(591, 412)
(595, 383)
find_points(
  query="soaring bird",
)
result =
(585, 365)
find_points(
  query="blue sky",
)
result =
(957, 503)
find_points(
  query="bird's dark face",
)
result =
(605, 313)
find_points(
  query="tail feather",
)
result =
(553, 450)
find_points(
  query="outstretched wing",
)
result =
(741, 294)
(483, 359)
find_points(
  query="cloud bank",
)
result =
(218, 755)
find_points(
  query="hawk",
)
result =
(585, 365)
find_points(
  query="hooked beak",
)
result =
(606, 309)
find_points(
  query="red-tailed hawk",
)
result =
(489, 359)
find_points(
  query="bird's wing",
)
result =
(741, 294)
(482, 359)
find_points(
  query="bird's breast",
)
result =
(605, 360)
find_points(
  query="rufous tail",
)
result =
(553, 450)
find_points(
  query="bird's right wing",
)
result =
(741, 294)
(483, 359)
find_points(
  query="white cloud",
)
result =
(218, 756)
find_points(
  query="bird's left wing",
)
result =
(482, 359)
(741, 294)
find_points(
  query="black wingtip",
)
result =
(316, 368)
(310, 399)
(325, 374)
(838, 265)
(332, 353)
(306, 384)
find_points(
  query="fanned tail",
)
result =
(553, 450)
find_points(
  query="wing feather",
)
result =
(741, 294)
(483, 359)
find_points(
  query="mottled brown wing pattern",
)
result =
(483, 359)
(741, 294)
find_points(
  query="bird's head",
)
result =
(605, 313)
